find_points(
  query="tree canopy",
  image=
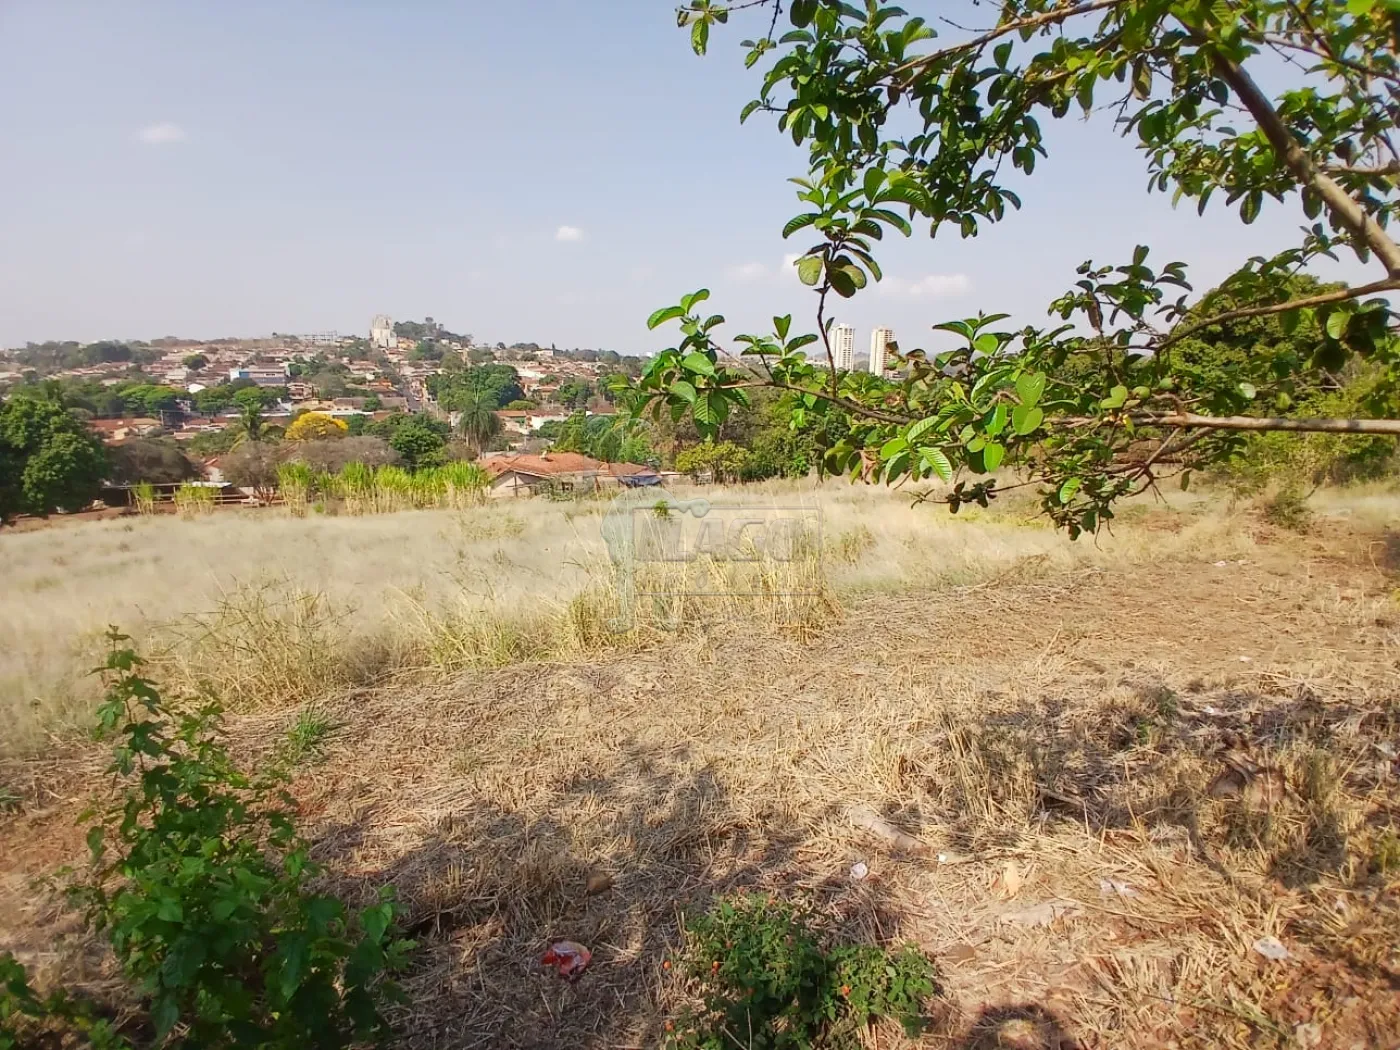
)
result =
(500, 383)
(49, 460)
(418, 439)
(316, 426)
(898, 133)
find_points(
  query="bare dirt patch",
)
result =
(1119, 784)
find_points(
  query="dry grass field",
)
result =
(1091, 780)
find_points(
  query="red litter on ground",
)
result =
(569, 958)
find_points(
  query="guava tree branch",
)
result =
(1390, 167)
(1296, 160)
(1177, 420)
(1340, 295)
(853, 407)
(1256, 423)
(1059, 14)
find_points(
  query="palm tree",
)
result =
(250, 423)
(478, 422)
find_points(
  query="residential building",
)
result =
(520, 475)
(114, 430)
(381, 333)
(843, 346)
(880, 340)
(523, 475)
(262, 375)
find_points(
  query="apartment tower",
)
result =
(880, 340)
(843, 346)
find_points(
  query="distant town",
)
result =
(186, 388)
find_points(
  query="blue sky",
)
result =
(546, 170)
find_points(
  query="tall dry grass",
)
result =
(269, 607)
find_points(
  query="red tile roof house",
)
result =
(567, 472)
(113, 430)
(520, 475)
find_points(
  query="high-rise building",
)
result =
(880, 340)
(381, 333)
(843, 346)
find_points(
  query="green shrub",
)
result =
(25, 1015)
(767, 982)
(1288, 509)
(199, 881)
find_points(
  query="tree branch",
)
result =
(1390, 167)
(1340, 295)
(1059, 14)
(854, 407)
(1262, 423)
(1355, 66)
(1297, 161)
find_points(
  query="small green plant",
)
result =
(199, 881)
(1385, 856)
(1288, 509)
(145, 496)
(9, 801)
(306, 738)
(767, 981)
(192, 499)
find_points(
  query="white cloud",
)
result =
(749, 271)
(568, 233)
(161, 134)
(932, 286)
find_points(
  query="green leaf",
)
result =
(782, 324)
(809, 269)
(683, 390)
(1026, 420)
(920, 428)
(1337, 323)
(874, 179)
(802, 12)
(1068, 489)
(798, 222)
(986, 343)
(938, 463)
(698, 363)
(666, 313)
(699, 36)
(164, 1016)
(688, 301)
(1085, 94)
(841, 282)
(996, 422)
(1030, 387)
(1248, 390)
(1249, 207)
(893, 446)
(748, 110)
(992, 455)
(1116, 397)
